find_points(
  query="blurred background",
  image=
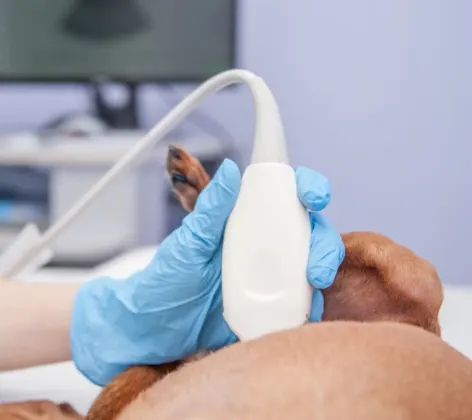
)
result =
(375, 95)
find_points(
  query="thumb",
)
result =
(313, 189)
(204, 226)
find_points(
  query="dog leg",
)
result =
(187, 175)
(38, 410)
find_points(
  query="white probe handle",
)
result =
(265, 254)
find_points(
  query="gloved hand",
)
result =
(173, 307)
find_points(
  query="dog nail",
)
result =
(174, 152)
(178, 177)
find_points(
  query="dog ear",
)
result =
(380, 280)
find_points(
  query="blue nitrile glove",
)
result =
(173, 307)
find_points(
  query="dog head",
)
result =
(380, 280)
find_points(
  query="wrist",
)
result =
(94, 331)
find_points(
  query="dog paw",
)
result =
(187, 176)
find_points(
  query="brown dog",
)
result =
(344, 369)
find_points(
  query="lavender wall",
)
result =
(374, 94)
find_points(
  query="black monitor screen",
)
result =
(125, 40)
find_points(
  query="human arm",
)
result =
(34, 323)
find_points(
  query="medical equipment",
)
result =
(146, 42)
(41, 182)
(266, 242)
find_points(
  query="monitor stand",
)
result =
(104, 115)
(116, 117)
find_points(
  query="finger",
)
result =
(317, 306)
(313, 189)
(203, 228)
(326, 252)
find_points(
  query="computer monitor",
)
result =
(131, 41)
